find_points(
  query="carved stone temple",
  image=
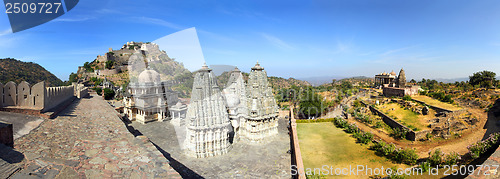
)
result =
(261, 121)
(235, 94)
(207, 121)
(147, 100)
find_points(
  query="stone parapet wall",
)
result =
(37, 97)
(56, 95)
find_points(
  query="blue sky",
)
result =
(429, 39)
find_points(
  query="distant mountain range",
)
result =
(319, 80)
(17, 71)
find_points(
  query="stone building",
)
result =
(393, 85)
(207, 122)
(262, 109)
(384, 78)
(146, 100)
(235, 94)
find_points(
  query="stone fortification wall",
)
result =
(37, 97)
(109, 72)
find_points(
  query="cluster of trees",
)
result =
(484, 79)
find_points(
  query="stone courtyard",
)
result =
(245, 160)
(88, 140)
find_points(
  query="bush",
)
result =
(425, 166)
(399, 133)
(407, 98)
(98, 90)
(108, 94)
(475, 150)
(340, 123)
(436, 158)
(352, 128)
(408, 156)
(452, 159)
(363, 137)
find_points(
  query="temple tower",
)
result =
(235, 94)
(262, 109)
(402, 79)
(208, 124)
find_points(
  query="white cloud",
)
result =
(397, 50)
(5, 32)
(156, 21)
(76, 19)
(277, 42)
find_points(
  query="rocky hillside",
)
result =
(131, 60)
(17, 71)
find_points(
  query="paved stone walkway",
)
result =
(88, 140)
(269, 159)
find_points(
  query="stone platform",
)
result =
(88, 140)
(245, 160)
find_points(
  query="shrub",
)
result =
(436, 158)
(352, 128)
(452, 159)
(108, 94)
(341, 123)
(399, 133)
(377, 125)
(363, 137)
(425, 166)
(475, 150)
(407, 98)
(98, 90)
(408, 156)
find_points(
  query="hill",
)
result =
(17, 71)
(124, 65)
(275, 82)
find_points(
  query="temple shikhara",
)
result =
(207, 121)
(262, 109)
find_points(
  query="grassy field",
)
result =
(434, 102)
(324, 144)
(407, 117)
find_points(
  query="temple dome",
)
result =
(148, 76)
(393, 73)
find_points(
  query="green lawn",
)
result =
(434, 102)
(324, 144)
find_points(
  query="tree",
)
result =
(311, 103)
(485, 79)
(413, 81)
(73, 78)
(108, 94)
(109, 64)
